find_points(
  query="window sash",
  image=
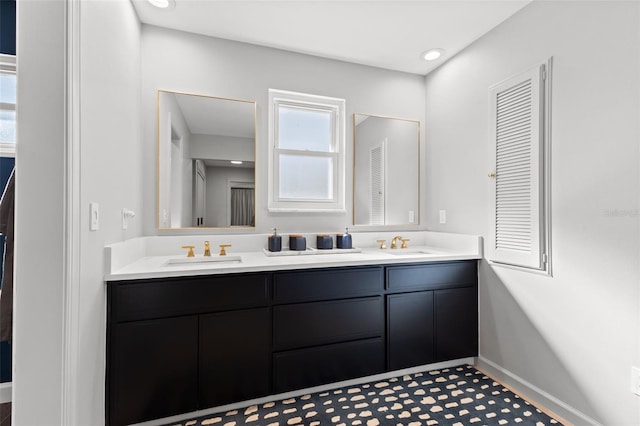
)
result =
(333, 136)
(334, 154)
(333, 176)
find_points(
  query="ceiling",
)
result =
(380, 33)
(218, 116)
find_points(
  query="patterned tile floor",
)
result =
(454, 396)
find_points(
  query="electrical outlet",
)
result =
(412, 216)
(443, 217)
(635, 380)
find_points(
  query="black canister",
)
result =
(343, 241)
(275, 241)
(297, 242)
(324, 242)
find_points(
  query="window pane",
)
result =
(7, 126)
(306, 178)
(304, 129)
(7, 88)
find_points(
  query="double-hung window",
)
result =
(306, 152)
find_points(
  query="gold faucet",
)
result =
(394, 242)
(404, 242)
(222, 249)
(382, 244)
(207, 249)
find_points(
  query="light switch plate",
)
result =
(94, 215)
(635, 380)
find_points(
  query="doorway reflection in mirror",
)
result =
(386, 170)
(206, 158)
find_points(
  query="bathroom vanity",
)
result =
(182, 343)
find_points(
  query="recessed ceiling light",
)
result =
(163, 4)
(432, 54)
(236, 162)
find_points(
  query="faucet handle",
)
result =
(223, 252)
(190, 253)
(382, 243)
(404, 242)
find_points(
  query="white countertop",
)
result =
(147, 257)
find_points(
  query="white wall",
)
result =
(110, 174)
(191, 63)
(174, 192)
(39, 274)
(220, 147)
(109, 159)
(574, 336)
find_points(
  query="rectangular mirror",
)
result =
(206, 161)
(386, 188)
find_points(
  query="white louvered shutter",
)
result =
(516, 140)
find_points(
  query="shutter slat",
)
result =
(513, 168)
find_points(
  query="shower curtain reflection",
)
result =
(242, 207)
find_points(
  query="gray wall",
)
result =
(574, 336)
(179, 61)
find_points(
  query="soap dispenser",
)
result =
(343, 241)
(275, 241)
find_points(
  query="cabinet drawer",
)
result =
(144, 299)
(310, 324)
(431, 276)
(326, 364)
(327, 284)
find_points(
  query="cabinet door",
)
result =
(410, 329)
(456, 323)
(235, 356)
(152, 369)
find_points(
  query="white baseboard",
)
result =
(534, 394)
(5, 392)
(287, 395)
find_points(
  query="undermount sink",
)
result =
(203, 260)
(408, 252)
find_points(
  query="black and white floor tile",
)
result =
(454, 396)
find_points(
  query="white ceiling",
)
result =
(381, 33)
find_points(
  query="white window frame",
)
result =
(336, 107)
(538, 259)
(8, 64)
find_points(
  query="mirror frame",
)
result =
(418, 177)
(158, 159)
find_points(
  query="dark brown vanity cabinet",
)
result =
(432, 313)
(176, 345)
